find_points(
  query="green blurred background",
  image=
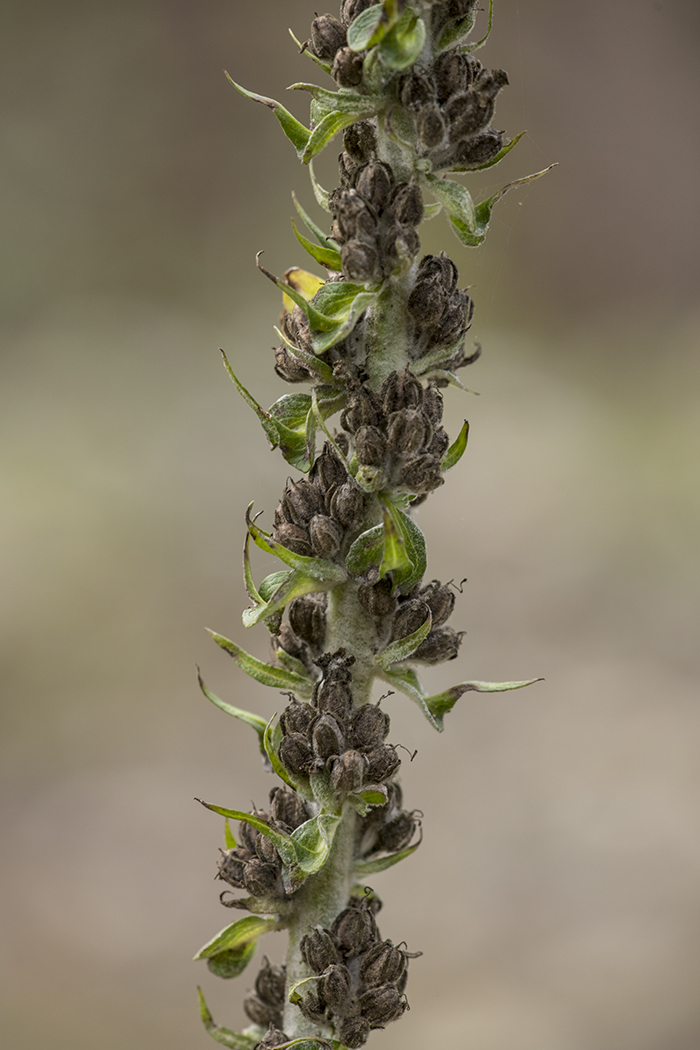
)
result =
(557, 893)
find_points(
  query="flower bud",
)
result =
(354, 1032)
(297, 718)
(369, 727)
(350, 9)
(297, 756)
(416, 91)
(336, 666)
(355, 217)
(296, 328)
(348, 506)
(428, 301)
(439, 444)
(396, 835)
(289, 368)
(360, 262)
(347, 771)
(326, 536)
(294, 538)
(408, 431)
(375, 183)
(407, 204)
(327, 738)
(440, 601)
(270, 984)
(430, 127)
(382, 764)
(287, 807)
(347, 68)
(307, 618)
(328, 470)
(410, 615)
(314, 1009)
(266, 851)
(441, 267)
(318, 950)
(361, 410)
(354, 930)
(360, 141)
(261, 879)
(421, 474)
(335, 988)
(231, 865)
(381, 1005)
(456, 321)
(334, 698)
(259, 1012)
(272, 1039)
(327, 36)
(383, 964)
(432, 404)
(301, 501)
(480, 149)
(441, 644)
(400, 390)
(247, 835)
(451, 74)
(370, 445)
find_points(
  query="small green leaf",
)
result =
(274, 758)
(322, 341)
(303, 49)
(339, 101)
(272, 583)
(313, 841)
(483, 210)
(291, 410)
(239, 933)
(224, 1036)
(334, 122)
(441, 703)
(316, 366)
(322, 196)
(406, 681)
(281, 841)
(430, 211)
(368, 28)
(469, 48)
(432, 360)
(262, 672)
(255, 721)
(456, 449)
(294, 586)
(293, 995)
(248, 574)
(402, 45)
(375, 795)
(268, 425)
(494, 160)
(325, 256)
(228, 835)
(297, 134)
(318, 568)
(371, 867)
(402, 649)
(365, 551)
(394, 556)
(414, 546)
(323, 239)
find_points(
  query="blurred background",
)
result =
(557, 893)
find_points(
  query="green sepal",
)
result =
(313, 841)
(339, 101)
(229, 839)
(402, 649)
(470, 48)
(430, 211)
(372, 24)
(237, 936)
(224, 1036)
(365, 551)
(456, 449)
(374, 795)
(494, 160)
(333, 122)
(401, 46)
(295, 131)
(430, 361)
(294, 585)
(323, 793)
(251, 589)
(413, 542)
(293, 995)
(272, 582)
(281, 841)
(441, 703)
(483, 210)
(323, 239)
(322, 196)
(325, 66)
(406, 681)
(271, 752)
(371, 867)
(262, 672)
(325, 256)
(317, 568)
(394, 556)
(255, 721)
(317, 367)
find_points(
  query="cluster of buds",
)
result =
(374, 217)
(441, 313)
(327, 735)
(255, 865)
(346, 357)
(264, 1006)
(396, 432)
(314, 518)
(398, 616)
(387, 828)
(328, 42)
(452, 105)
(361, 979)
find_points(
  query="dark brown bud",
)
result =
(440, 600)
(301, 502)
(296, 328)
(260, 878)
(456, 321)
(430, 127)
(451, 74)
(408, 431)
(247, 835)
(377, 598)
(384, 963)
(307, 618)
(428, 301)
(347, 68)
(410, 615)
(231, 865)
(289, 368)
(432, 404)
(382, 764)
(266, 851)
(318, 950)
(314, 1008)
(326, 536)
(360, 141)
(294, 538)
(335, 988)
(479, 150)
(439, 444)
(272, 1039)
(421, 474)
(355, 218)
(347, 771)
(336, 666)
(297, 718)
(334, 698)
(416, 91)
(349, 168)
(348, 505)
(259, 1012)
(396, 835)
(328, 470)
(400, 390)
(360, 262)
(327, 35)
(286, 641)
(407, 204)
(361, 410)
(441, 644)
(354, 1032)
(439, 266)
(355, 930)
(287, 807)
(297, 756)
(381, 1005)
(270, 984)
(370, 445)
(375, 183)
(350, 9)
(369, 727)
(327, 738)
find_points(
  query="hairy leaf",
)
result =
(224, 1036)
(368, 28)
(271, 752)
(262, 672)
(413, 542)
(321, 195)
(295, 131)
(238, 934)
(371, 867)
(325, 256)
(365, 551)
(281, 841)
(401, 46)
(406, 681)
(441, 703)
(303, 49)
(456, 449)
(323, 239)
(402, 649)
(255, 721)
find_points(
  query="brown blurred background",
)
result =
(557, 893)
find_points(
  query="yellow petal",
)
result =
(303, 281)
